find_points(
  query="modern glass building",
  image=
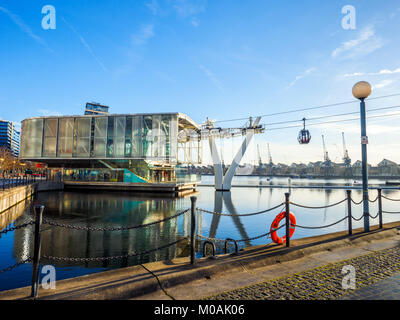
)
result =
(132, 148)
(9, 137)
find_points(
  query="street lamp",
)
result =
(361, 91)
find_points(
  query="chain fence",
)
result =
(24, 225)
(128, 255)
(15, 265)
(69, 226)
(240, 215)
(321, 207)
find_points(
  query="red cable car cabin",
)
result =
(304, 135)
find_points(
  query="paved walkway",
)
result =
(388, 289)
(325, 283)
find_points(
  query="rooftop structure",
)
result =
(95, 108)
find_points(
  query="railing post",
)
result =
(38, 209)
(349, 215)
(192, 231)
(380, 208)
(287, 209)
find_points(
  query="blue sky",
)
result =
(219, 59)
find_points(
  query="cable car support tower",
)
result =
(223, 182)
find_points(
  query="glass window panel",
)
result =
(173, 137)
(128, 137)
(137, 127)
(50, 138)
(119, 137)
(165, 136)
(110, 137)
(156, 136)
(32, 133)
(100, 136)
(147, 136)
(65, 137)
(83, 137)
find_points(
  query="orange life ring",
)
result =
(275, 225)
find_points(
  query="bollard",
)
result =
(214, 249)
(349, 217)
(192, 231)
(287, 219)
(38, 209)
(380, 208)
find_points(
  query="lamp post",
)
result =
(361, 91)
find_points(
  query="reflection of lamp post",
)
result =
(361, 91)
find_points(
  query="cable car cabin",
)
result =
(304, 135)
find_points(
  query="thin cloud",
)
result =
(24, 28)
(86, 45)
(47, 112)
(211, 76)
(301, 76)
(187, 8)
(146, 32)
(379, 73)
(153, 6)
(366, 42)
(382, 84)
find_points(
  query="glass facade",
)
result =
(153, 137)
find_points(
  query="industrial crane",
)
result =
(326, 156)
(346, 158)
(269, 156)
(270, 163)
(327, 164)
(260, 164)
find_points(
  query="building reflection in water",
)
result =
(107, 210)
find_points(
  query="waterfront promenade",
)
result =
(309, 269)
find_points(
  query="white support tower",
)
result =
(224, 182)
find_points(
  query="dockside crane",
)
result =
(327, 164)
(269, 156)
(346, 160)
(326, 156)
(260, 164)
(270, 163)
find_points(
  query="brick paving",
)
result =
(325, 283)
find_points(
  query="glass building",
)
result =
(95, 108)
(132, 148)
(9, 137)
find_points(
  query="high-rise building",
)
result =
(9, 136)
(93, 108)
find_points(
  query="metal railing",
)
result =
(284, 206)
(38, 222)
(12, 182)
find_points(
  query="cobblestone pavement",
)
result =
(323, 283)
(388, 289)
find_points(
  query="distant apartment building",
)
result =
(9, 137)
(93, 108)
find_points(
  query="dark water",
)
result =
(125, 209)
